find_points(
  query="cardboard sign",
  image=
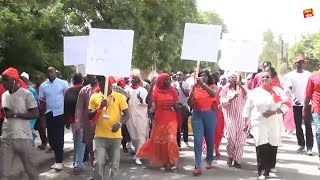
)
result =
(201, 42)
(239, 53)
(75, 50)
(110, 52)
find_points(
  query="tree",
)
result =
(270, 48)
(31, 36)
(308, 46)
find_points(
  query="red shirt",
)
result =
(71, 117)
(202, 100)
(2, 90)
(313, 91)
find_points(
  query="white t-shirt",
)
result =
(298, 82)
(18, 102)
(182, 97)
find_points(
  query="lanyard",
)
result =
(111, 97)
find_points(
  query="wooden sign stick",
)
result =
(106, 86)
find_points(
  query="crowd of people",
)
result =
(147, 118)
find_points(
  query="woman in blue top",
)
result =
(25, 78)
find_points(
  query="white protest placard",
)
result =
(75, 50)
(239, 54)
(201, 42)
(109, 52)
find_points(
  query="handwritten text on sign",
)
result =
(239, 54)
(109, 52)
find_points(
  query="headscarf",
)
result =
(121, 82)
(13, 73)
(230, 74)
(161, 88)
(223, 77)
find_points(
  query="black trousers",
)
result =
(297, 112)
(266, 158)
(55, 127)
(126, 136)
(184, 127)
(1, 122)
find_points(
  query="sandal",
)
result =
(174, 169)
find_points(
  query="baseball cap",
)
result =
(298, 59)
(26, 75)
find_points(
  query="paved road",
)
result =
(290, 166)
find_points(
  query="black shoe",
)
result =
(125, 150)
(230, 161)
(236, 165)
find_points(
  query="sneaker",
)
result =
(138, 161)
(187, 144)
(197, 172)
(262, 177)
(53, 166)
(77, 171)
(309, 152)
(300, 150)
(58, 167)
(273, 170)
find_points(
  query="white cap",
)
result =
(24, 74)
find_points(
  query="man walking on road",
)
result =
(19, 108)
(313, 93)
(52, 91)
(297, 81)
(108, 121)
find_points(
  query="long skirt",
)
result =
(162, 148)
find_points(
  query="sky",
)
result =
(253, 17)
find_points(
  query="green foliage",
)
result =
(309, 47)
(31, 36)
(31, 31)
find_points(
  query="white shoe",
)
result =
(138, 162)
(53, 166)
(59, 167)
(273, 170)
(262, 177)
(187, 144)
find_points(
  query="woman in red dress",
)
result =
(162, 148)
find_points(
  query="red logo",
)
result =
(308, 13)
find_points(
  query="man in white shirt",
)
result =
(183, 89)
(297, 81)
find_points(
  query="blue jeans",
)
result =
(203, 125)
(316, 119)
(79, 147)
(32, 124)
